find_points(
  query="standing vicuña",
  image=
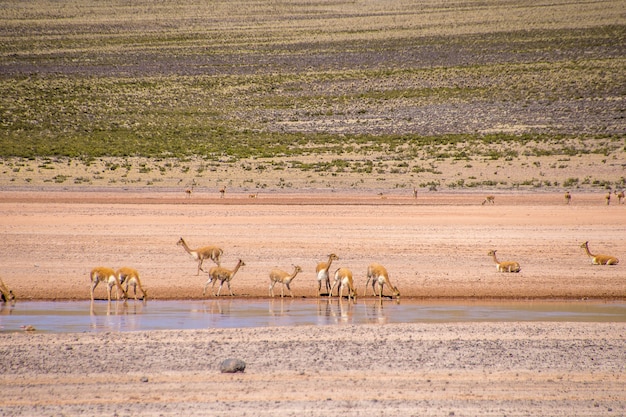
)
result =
(379, 275)
(284, 277)
(322, 273)
(218, 273)
(489, 199)
(107, 276)
(6, 294)
(130, 276)
(620, 196)
(343, 277)
(568, 197)
(207, 252)
(599, 259)
(507, 266)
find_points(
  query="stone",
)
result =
(231, 366)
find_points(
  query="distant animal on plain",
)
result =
(599, 259)
(505, 266)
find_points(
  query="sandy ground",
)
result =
(434, 246)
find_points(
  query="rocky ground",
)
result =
(490, 369)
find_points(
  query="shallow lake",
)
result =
(81, 316)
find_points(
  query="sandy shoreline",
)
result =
(62, 236)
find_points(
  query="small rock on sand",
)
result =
(232, 366)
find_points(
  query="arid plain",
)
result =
(332, 111)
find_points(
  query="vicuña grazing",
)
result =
(508, 266)
(218, 273)
(599, 259)
(107, 276)
(284, 277)
(378, 275)
(6, 294)
(489, 199)
(130, 276)
(207, 252)
(343, 277)
(322, 273)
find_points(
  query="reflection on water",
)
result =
(81, 316)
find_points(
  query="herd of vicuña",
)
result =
(342, 278)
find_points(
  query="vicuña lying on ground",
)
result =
(221, 274)
(321, 270)
(107, 276)
(284, 277)
(207, 252)
(130, 276)
(508, 266)
(599, 259)
(378, 275)
(343, 277)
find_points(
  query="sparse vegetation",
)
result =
(395, 98)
